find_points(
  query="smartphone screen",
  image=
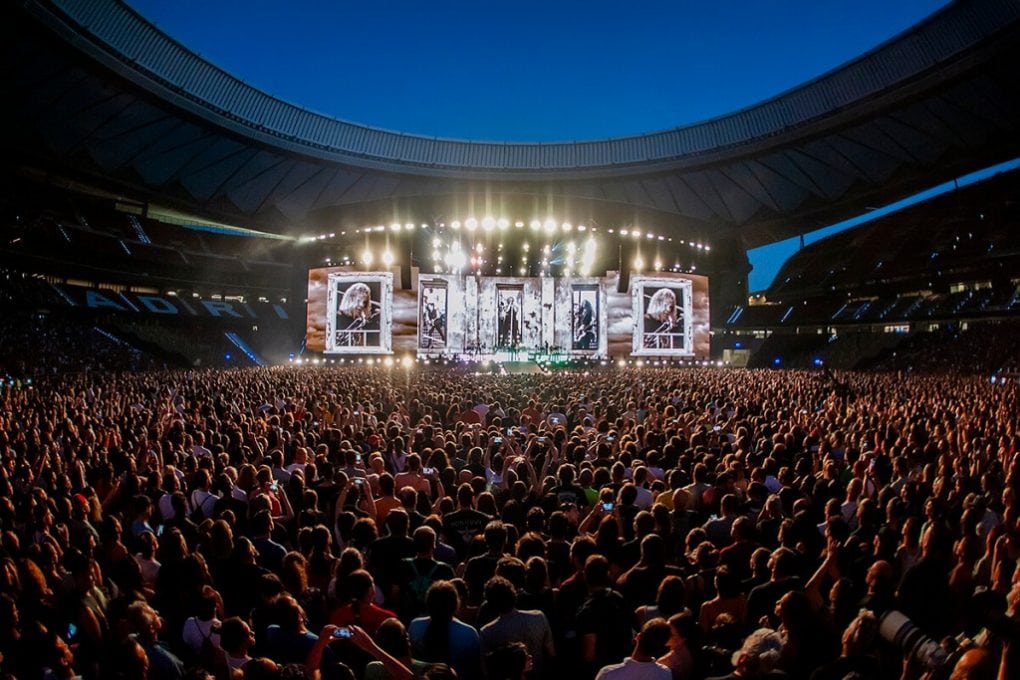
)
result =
(343, 633)
(607, 506)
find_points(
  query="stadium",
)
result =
(285, 395)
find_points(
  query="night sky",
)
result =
(532, 71)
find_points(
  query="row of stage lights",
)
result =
(489, 224)
(577, 258)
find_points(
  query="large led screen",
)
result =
(663, 322)
(446, 315)
(349, 312)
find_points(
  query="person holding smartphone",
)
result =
(567, 491)
(413, 476)
(392, 667)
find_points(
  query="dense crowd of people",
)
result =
(423, 523)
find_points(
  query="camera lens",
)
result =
(901, 631)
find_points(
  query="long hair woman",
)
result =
(441, 637)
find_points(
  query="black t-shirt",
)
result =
(385, 556)
(479, 570)
(605, 614)
(761, 601)
(462, 525)
(409, 573)
(570, 493)
(865, 666)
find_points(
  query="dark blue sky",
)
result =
(528, 70)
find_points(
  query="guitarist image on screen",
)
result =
(355, 315)
(433, 324)
(584, 326)
(662, 317)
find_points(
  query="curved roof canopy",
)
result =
(105, 93)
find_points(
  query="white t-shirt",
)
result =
(166, 508)
(204, 502)
(635, 670)
(644, 498)
(196, 631)
(150, 569)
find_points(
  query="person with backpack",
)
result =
(202, 499)
(418, 573)
(201, 632)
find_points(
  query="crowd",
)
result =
(32, 345)
(419, 523)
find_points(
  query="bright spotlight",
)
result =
(455, 224)
(623, 232)
(636, 233)
(366, 257)
(638, 263)
(406, 361)
(488, 224)
(581, 227)
(436, 243)
(550, 225)
(571, 247)
(470, 224)
(387, 258)
(395, 227)
(658, 264)
(567, 226)
(535, 224)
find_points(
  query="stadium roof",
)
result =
(101, 93)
